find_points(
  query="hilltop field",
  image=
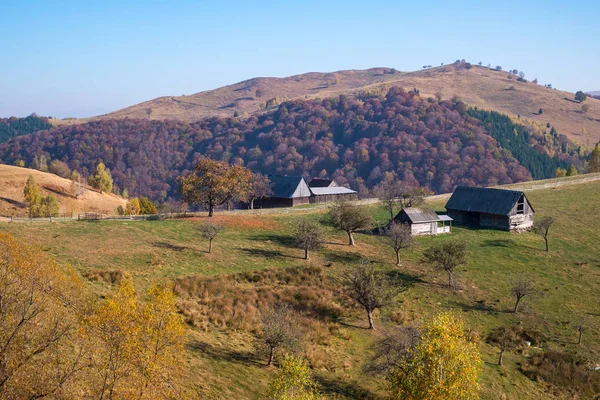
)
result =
(12, 199)
(478, 86)
(254, 264)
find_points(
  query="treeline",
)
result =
(530, 147)
(13, 127)
(360, 142)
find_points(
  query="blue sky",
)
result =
(82, 58)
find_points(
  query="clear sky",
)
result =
(86, 57)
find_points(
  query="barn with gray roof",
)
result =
(286, 191)
(508, 210)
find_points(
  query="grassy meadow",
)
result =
(254, 264)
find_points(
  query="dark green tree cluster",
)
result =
(517, 139)
(13, 127)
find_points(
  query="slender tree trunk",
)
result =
(252, 204)
(580, 335)
(500, 357)
(211, 209)
(371, 325)
(546, 239)
(450, 279)
(306, 253)
(350, 238)
(271, 356)
(210, 246)
(398, 257)
(517, 305)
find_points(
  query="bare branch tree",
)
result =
(395, 196)
(398, 237)
(521, 289)
(370, 288)
(209, 231)
(260, 187)
(308, 235)
(506, 339)
(350, 218)
(278, 329)
(447, 256)
(390, 351)
(542, 227)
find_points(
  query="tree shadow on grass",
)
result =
(479, 305)
(499, 243)
(170, 246)
(351, 390)
(282, 240)
(405, 278)
(268, 253)
(224, 354)
(13, 202)
(348, 325)
(343, 258)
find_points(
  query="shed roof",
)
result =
(321, 182)
(417, 215)
(484, 200)
(286, 187)
(320, 191)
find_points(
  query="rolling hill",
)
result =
(255, 264)
(479, 86)
(12, 201)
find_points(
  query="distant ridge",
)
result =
(479, 86)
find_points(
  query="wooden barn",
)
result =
(491, 208)
(423, 221)
(287, 191)
(322, 182)
(327, 190)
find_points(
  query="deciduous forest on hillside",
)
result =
(359, 142)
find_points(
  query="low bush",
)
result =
(563, 370)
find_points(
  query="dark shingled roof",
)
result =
(321, 182)
(284, 186)
(416, 215)
(483, 200)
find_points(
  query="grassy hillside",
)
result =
(479, 86)
(254, 263)
(12, 200)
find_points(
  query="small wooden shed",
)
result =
(508, 210)
(424, 221)
(327, 190)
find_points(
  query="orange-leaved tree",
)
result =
(213, 183)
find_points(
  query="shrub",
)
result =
(563, 370)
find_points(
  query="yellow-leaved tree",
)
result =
(41, 352)
(138, 346)
(57, 342)
(294, 381)
(444, 364)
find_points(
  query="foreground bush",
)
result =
(57, 342)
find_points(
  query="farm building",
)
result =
(424, 221)
(322, 182)
(287, 191)
(491, 208)
(327, 190)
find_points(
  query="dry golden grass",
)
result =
(479, 86)
(12, 200)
